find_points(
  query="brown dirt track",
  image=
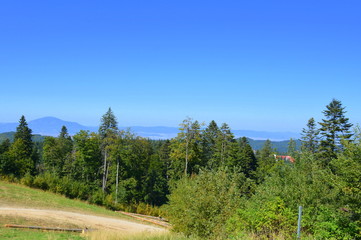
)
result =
(81, 220)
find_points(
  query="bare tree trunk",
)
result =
(106, 176)
(117, 183)
(105, 170)
(186, 167)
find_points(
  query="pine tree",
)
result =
(310, 138)
(64, 133)
(247, 159)
(209, 139)
(108, 123)
(265, 160)
(227, 147)
(20, 154)
(4, 146)
(23, 132)
(334, 129)
(291, 149)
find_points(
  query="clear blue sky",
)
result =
(256, 65)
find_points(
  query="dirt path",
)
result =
(83, 220)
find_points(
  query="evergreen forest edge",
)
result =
(206, 182)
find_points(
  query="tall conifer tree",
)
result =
(21, 151)
(334, 128)
(209, 140)
(247, 158)
(310, 138)
(23, 132)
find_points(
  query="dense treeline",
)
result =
(117, 168)
(209, 184)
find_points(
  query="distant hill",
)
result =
(280, 147)
(10, 136)
(51, 126)
(48, 126)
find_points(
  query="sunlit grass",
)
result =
(106, 235)
(15, 195)
(21, 234)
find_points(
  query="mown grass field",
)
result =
(15, 195)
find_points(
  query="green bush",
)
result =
(27, 180)
(97, 197)
(200, 205)
(272, 211)
(266, 219)
(40, 182)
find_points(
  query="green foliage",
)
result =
(85, 163)
(310, 138)
(56, 152)
(186, 149)
(265, 161)
(64, 186)
(247, 160)
(36, 138)
(226, 149)
(200, 205)
(330, 223)
(23, 132)
(209, 139)
(108, 123)
(208, 176)
(306, 183)
(333, 129)
(272, 217)
(18, 160)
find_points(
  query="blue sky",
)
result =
(256, 65)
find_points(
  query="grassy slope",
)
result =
(16, 195)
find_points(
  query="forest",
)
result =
(207, 183)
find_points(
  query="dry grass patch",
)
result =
(108, 235)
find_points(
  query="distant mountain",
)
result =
(51, 126)
(48, 126)
(281, 147)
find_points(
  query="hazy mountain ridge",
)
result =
(51, 126)
(280, 147)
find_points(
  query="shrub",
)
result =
(264, 219)
(27, 180)
(200, 205)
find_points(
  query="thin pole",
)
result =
(299, 222)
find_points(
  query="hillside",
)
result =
(280, 147)
(10, 136)
(26, 206)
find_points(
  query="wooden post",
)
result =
(299, 222)
(46, 228)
